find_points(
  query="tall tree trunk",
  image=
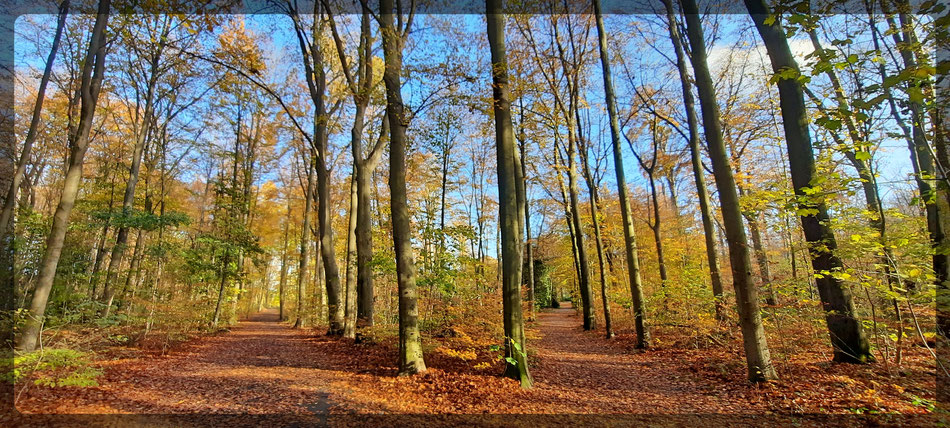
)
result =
(410, 342)
(304, 243)
(349, 325)
(758, 360)
(522, 143)
(364, 234)
(91, 82)
(847, 335)
(689, 103)
(334, 295)
(594, 201)
(284, 266)
(587, 301)
(658, 235)
(921, 154)
(629, 235)
(568, 212)
(516, 366)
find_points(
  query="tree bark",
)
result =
(304, 245)
(847, 335)
(758, 360)
(91, 82)
(689, 104)
(284, 266)
(349, 325)
(410, 343)
(516, 358)
(629, 235)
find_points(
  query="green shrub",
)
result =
(54, 368)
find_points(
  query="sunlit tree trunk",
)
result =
(304, 244)
(847, 335)
(689, 104)
(629, 235)
(349, 325)
(758, 359)
(284, 265)
(410, 342)
(529, 253)
(91, 82)
(516, 366)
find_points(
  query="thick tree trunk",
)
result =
(689, 103)
(91, 82)
(847, 335)
(410, 342)
(629, 235)
(516, 366)
(758, 360)
(334, 290)
(335, 301)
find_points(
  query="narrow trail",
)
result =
(260, 366)
(265, 367)
(600, 376)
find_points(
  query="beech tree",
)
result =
(91, 84)
(509, 164)
(847, 335)
(394, 26)
(758, 358)
(629, 234)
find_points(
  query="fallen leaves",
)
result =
(266, 368)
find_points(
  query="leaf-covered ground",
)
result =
(265, 368)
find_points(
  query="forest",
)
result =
(408, 209)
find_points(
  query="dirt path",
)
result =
(263, 370)
(583, 372)
(261, 366)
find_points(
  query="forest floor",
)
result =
(265, 368)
